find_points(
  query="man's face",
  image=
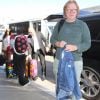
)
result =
(71, 11)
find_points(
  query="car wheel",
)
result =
(90, 83)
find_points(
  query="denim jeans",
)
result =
(61, 95)
(78, 69)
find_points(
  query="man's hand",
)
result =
(60, 44)
(71, 47)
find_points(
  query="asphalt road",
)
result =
(36, 90)
(9, 90)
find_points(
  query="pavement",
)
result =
(36, 90)
(49, 83)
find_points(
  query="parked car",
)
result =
(90, 78)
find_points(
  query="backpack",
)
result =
(20, 44)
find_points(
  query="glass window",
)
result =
(34, 25)
(39, 26)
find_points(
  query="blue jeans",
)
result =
(78, 69)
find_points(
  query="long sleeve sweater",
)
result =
(76, 33)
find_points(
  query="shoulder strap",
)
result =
(60, 24)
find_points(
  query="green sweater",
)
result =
(76, 33)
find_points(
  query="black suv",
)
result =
(90, 78)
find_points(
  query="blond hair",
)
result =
(70, 2)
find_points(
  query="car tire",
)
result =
(90, 83)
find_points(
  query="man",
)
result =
(73, 36)
(39, 49)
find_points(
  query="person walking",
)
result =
(38, 49)
(20, 52)
(6, 44)
(7, 54)
(74, 36)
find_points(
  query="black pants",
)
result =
(41, 56)
(19, 64)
